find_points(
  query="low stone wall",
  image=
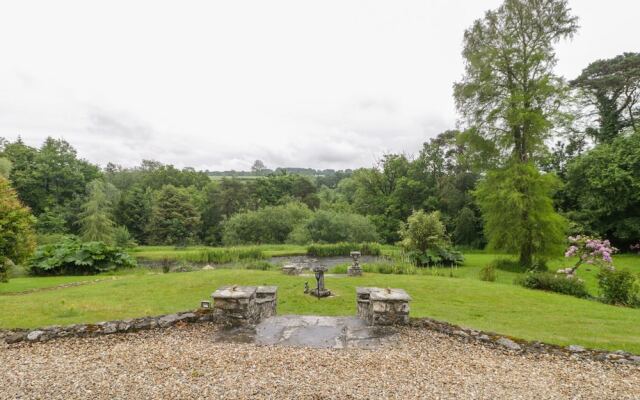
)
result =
(383, 306)
(525, 347)
(106, 328)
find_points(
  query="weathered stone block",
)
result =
(244, 305)
(383, 306)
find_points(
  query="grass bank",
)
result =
(499, 307)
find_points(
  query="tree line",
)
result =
(535, 157)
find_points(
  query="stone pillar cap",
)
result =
(389, 295)
(234, 292)
(266, 289)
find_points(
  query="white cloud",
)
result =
(216, 85)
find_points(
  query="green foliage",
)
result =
(134, 212)
(5, 167)
(425, 241)
(222, 255)
(174, 218)
(17, 237)
(607, 172)
(554, 283)
(423, 231)
(122, 237)
(334, 227)
(518, 213)
(343, 249)
(73, 257)
(258, 265)
(51, 176)
(96, 224)
(509, 93)
(468, 230)
(272, 224)
(612, 87)
(488, 273)
(620, 287)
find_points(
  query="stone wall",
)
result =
(106, 328)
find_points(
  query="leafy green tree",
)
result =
(518, 213)
(96, 219)
(423, 231)
(271, 224)
(175, 220)
(604, 185)
(509, 92)
(49, 177)
(134, 211)
(612, 87)
(510, 95)
(17, 238)
(333, 227)
(426, 242)
(468, 230)
(212, 216)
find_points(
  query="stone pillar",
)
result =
(236, 305)
(355, 269)
(362, 299)
(267, 301)
(244, 305)
(383, 306)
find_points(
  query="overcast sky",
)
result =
(218, 84)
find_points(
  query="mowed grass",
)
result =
(475, 261)
(500, 307)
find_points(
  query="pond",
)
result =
(308, 263)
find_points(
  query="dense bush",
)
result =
(488, 273)
(554, 283)
(271, 224)
(343, 249)
(618, 287)
(17, 238)
(425, 241)
(72, 257)
(334, 227)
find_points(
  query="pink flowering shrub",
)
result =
(590, 250)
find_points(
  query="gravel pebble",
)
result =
(184, 362)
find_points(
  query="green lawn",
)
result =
(499, 307)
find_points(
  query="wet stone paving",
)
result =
(310, 331)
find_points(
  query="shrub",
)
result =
(618, 287)
(488, 273)
(436, 257)
(259, 265)
(17, 238)
(506, 264)
(390, 267)
(554, 283)
(425, 241)
(222, 255)
(343, 249)
(271, 224)
(71, 257)
(122, 237)
(335, 227)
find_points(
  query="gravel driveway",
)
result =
(185, 363)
